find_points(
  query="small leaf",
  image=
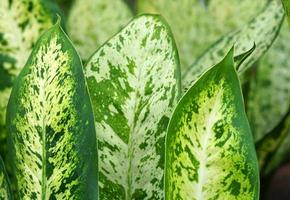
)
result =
(21, 23)
(134, 82)
(92, 22)
(209, 148)
(4, 184)
(262, 31)
(51, 124)
(286, 4)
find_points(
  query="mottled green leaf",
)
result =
(133, 81)
(196, 26)
(209, 148)
(4, 184)
(269, 145)
(286, 4)
(51, 125)
(21, 23)
(92, 22)
(262, 30)
(269, 94)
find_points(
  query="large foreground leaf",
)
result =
(195, 26)
(209, 148)
(133, 82)
(269, 94)
(4, 184)
(21, 23)
(262, 30)
(92, 22)
(51, 124)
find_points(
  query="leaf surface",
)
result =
(51, 125)
(261, 30)
(92, 22)
(286, 4)
(4, 184)
(209, 148)
(133, 81)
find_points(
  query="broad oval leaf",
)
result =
(51, 125)
(133, 81)
(209, 148)
(196, 26)
(21, 23)
(92, 22)
(4, 184)
(261, 30)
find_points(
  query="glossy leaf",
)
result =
(51, 125)
(133, 81)
(197, 24)
(209, 148)
(262, 31)
(269, 94)
(21, 23)
(92, 22)
(4, 184)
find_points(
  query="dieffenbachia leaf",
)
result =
(4, 184)
(21, 23)
(269, 94)
(268, 146)
(92, 22)
(209, 148)
(196, 26)
(133, 81)
(286, 4)
(262, 31)
(51, 125)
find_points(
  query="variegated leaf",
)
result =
(21, 23)
(4, 184)
(51, 125)
(268, 146)
(262, 31)
(286, 4)
(134, 83)
(269, 94)
(92, 22)
(209, 148)
(196, 24)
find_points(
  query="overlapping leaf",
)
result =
(21, 23)
(209, 148)
(269, 95)
(262, 30)
(4, 184)
(92, 22)
(51, 125)
(197, 25)
(133, 81)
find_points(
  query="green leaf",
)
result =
(269, 94)
(196, 26)
(51, 125)
(134, 81)
(92, 22)
(286, 4)
(262, 31)
(268, 146)
(4, 184)
(21, 23)
(209, 148)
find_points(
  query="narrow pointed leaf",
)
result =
(133, 81)
(261, 30)
(51, 124)
(269, 93)
(92, 22)
(209, 148)
(21, 23)
(286, 4)
(4, 184)
(197, 24)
